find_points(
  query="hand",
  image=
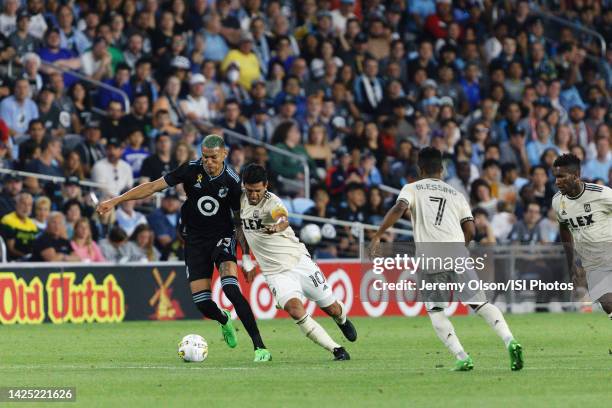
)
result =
(374, 248)
(105, 206)
(249, 276)
(579, 277)
(272, 229)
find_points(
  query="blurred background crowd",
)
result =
(118, 92)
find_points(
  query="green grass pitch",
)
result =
(397, 362)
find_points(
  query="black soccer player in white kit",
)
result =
(210, 226)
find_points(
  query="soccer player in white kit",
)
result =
(440, 214)
(584, 212)
(285, 263)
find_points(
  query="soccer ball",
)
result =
(310, 234)
(193, 348)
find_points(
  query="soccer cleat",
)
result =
(262, 354)
(464, 365)
(348, 330)
(229, 331)
(340, 354)
(516, 355)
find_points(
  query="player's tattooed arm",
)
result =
(240, 237)
(568, 246)
(281, 216)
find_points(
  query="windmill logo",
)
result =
(166, 308)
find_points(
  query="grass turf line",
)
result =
(396, 362)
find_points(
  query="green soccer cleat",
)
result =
(516, 355)
(229, 331)
(464, 365)
(262, 354)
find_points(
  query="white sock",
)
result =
(316, 333)
(495, 319)
(446, 332)
(342, 318)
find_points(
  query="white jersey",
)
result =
(275, 253)
(437, 210)
(588, 217)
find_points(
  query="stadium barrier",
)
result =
(34, 293)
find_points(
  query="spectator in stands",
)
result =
(164, 222)
(288, 136)
(195, 106)
(318, 148)
(57, 122)
(18, 109)
(115, 247)
(160, 163)
(120, 80)
(82, 243)
(114, 173)
(53, 52)
(73, 211)
(599, 166)
(484, 230)
(463, 179)
(97, 63)
(141, 241)
(50, 158)
(21, 40)
(368, 89)
(53, 245)
(128, 218)
(245, 59)
(481, 196)
(138, 118)
(18, 229)
(110, 125)
(169, 101)
(527, 231)
(80, 101)
(42, 209)
(231, 120)
(12, 185)
(8, 19)
(73, 166)
(71, 38)
(353, 210)
(216, 47)
(213, 89)
(141, 82)
(543, 142)
(90, 150)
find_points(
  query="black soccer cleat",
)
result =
(340, 354)
(348, 330)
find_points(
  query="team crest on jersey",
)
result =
(563, 212)
(223, 192)
(255, 213)
(587, 207)
(198, 180)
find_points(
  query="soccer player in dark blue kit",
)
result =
(210, 226)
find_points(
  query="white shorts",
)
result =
(599, 282)
(304, 281)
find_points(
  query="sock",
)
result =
(495, 319)
(206, 306)
(446, 332)
(243, 309)
(316, 333)
(342, 318)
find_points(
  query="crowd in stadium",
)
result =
(354, 86)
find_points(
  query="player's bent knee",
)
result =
(295, 308)
(199, 285)
(228, 268)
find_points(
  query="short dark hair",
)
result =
(568, 160)
(536, 167)
(430, 159)
(253, 174)
(117, 234)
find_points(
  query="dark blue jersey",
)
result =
(210, 200)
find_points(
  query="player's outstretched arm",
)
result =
(142, 191)
(393, 215)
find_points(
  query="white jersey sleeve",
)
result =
(276, 252)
